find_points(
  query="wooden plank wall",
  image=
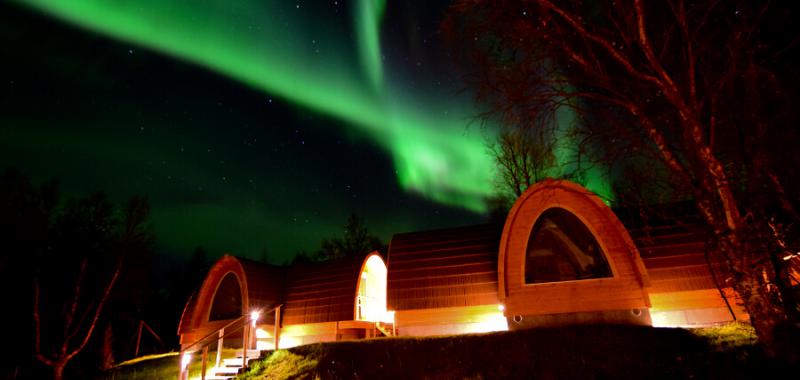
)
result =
(323, 292)
(682, 280)
(264, 287)
(454, 267)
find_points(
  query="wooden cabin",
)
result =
(561, 257)
(565, 258)
(338, 300)
(299, 304)
(233, 287)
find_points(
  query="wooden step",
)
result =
(227, 370)
(235, 362)
(250, 354)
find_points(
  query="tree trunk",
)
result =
(58, 370)
(766, 313)
(751, 273)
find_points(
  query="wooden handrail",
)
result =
(216, 333)
(218, 337)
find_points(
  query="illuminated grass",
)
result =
(729, 336)
(282, 364)
(577, 352)
(146, 358)
(160, 366)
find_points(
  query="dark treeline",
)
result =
(63, 254)
(72, 251)
(356, 240)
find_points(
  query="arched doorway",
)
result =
(371, 291)
(227, 300)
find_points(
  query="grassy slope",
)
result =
(580, 352)
(158, 367)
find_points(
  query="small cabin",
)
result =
(232, 288)
(565, 258)
(337, 300)
(299, 304)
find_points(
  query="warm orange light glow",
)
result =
(289, 342)
(388, 317)
(489, 322)
(371, 298)
(262, 334)
(185, 360)
(501, 307)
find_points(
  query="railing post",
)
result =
(203, 366)
(245, 335)
(219, 346)
(184, 360)
(180, 366)
(276, 332)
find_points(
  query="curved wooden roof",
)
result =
(626, 289)
(443, 268)
(322, 292)
(261, 285)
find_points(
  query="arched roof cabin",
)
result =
(322, 292)
(328, 301)
(564, 257)
(232, 287)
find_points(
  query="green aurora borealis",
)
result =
(433, 152)
(233, 172)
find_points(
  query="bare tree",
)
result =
(699, 86)
(522, 159)
(80, 312)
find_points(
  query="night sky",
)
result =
(259, 126)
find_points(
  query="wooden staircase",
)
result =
(231, 367)
(387, 329)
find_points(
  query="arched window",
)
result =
(227, 303)
(561, 248)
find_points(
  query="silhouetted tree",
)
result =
(703, 88)
(356, 241)
(523, 158)
(85, 257)
(107, 348)
(302, 257)
(25, 217)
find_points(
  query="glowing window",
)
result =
(561, 248)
